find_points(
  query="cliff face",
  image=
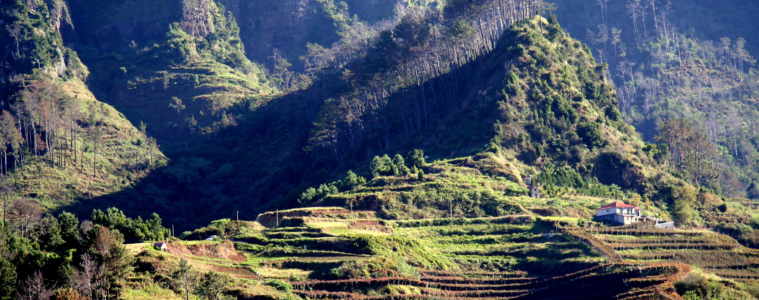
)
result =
(178, 66)
(287, 27)
(191, 66)
(116, 24)
(30, 39)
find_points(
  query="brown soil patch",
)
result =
(225, 250)
(235, 272)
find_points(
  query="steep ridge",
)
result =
(537, 101)
(227, 168)
(456, 82)
(286, 28)
(178, 66)
(528, 99)
(59, 142)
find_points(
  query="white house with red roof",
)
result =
(619, 213)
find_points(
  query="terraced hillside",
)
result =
(335, 253)
(712, 252)
(487, 184)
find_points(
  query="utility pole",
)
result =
(5, 209)
(450, 210)
(237, 215)
(276, 217)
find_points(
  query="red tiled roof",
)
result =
(618, 204)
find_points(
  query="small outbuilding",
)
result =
(618, 213)
(665, 225)
(161, 246)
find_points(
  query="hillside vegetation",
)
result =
(453, 80)
(179, 66)
(551, 120)
(399, 149)
(60, 143)
(686, 78)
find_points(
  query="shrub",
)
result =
(313, 194)
(591, 135)
(351, 180)
(681, 198)
(696, 287)
(612, 168)
(280, 285)
(381, 165)
(67, 294)
(134, 230)
(380, 267)
(212, 285)
(416, 158)
(399, 166)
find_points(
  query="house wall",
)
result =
(620, 219)
(623, 211)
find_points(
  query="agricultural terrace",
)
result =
(335, 253)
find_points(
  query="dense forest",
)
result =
(123, 121)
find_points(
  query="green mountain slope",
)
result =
(59, 142)
(536, 106)
(545, 114)
(691, 61)
(528, 108)
(178, 66)
(260, 163)
(456, 150)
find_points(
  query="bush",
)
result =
(379, 267)
(396, 166)
(381, 165)
(696, 287)
(612, 168)
(68, 294)
(681, 198)
(591, 135)
(399, 166)
(349, 182)
(561, 176)
(558, 181)
(280, 285)
(416, 158)
(212, 285)
(134, 230)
